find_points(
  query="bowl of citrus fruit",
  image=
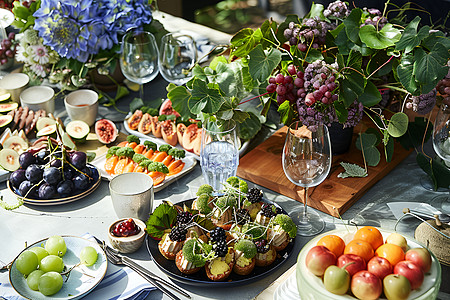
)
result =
(366, 263)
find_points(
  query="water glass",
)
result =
(219, 156)
(177, 56)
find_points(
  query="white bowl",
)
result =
(14, 83)
(82, 105)
(127, 244)
(38, 97)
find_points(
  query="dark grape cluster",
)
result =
(50, 174)
(262, 246)
(336, 9)
(286, 86)
(242, 216)
(184, 217)
(178, 234)
(443, 87)
(374, 17)
(270, 210)
(254, 195)
(217, 234)
(312, 31)
(7, 48)
(424, 103)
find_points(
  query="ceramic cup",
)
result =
(82, 105)
(14, 83)
(132, 195)
(38, 97)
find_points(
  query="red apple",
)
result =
(420, 257)
(396, 287)
(379, 266)
(411, 271)
(318, 259)
(366, 285)
(358, 263)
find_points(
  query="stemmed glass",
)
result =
(441, 145)
(306, 162)
(139, 57)
(177, 56)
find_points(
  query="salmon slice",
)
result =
(120, 166)
(159, 157)
(130, 167)
(175, 167)
(168, 160)
(139, 149)
(157, 177)
(111, 163)
(149, 153)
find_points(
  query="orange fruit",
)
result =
(360, 248)
(393, 253)
(333, 243)
(371, 235)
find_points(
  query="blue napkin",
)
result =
(118, 283)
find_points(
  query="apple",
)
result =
(358, 263)
(318, 259)
(336, 280)
(396, 287)
(379, 266)
(420, 257)
(397, 239)
(365, 285)
(411, 271)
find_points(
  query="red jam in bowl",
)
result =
(126, 228)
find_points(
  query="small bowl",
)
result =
(127, 244)
(38, 97)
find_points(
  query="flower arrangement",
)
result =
(61, 41)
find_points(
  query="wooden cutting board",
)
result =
(335, 195)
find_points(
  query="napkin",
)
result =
(420, 209)
(118, 283)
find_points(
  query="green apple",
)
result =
(397, 239)
(336, 280)
(396, 287)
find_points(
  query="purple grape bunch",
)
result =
(443, 87)
(7, 48)
(374, 17)
(312, 31)
(422, 104)
(286, 86)
(337, 9)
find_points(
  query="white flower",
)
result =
(39, 70)
(21, 54)
(40, 54)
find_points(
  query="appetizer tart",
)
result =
(219, 233)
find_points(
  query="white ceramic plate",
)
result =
(190, 163)
(160, 140)
(311, 286)
(82, 279)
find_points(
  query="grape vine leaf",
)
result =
(410, 37)
(434, 38)
(268, 30)
(352, 25)
(429, 67)
(398, 124)
(366, 142)
(352, 87)
(343, 43)
(415, 134)
(378, 60)
(371, 95)
(406, 76)
(341, 111)
(388, 148)
(386, 37)
(352, 170)
(180, 97)
(243, 42)
(249, 127)
(438, 172)
(261, 64)
(316, 11)
(286, 112)
(204, 99)
(161, 220)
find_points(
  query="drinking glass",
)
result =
(306, 161)
(139, 57)
(441, 145)
(177, 56)
(219, 156)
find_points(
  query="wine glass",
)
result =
(306, 162)
(177, 56)
(139, 57)
(441, 145)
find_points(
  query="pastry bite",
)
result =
(267, 212)
(253, 202)
(281, 231)
(219, 268)
(245, 256)
(223, 212)
(172, 242)
(193, 256)
(266, 253)
(203, 204)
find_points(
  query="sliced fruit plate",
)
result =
(161, 161)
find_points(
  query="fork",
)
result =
(156, 281)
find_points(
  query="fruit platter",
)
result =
(41, 271)
(367, 263)
(222, 238)
(162, 126)
(162, 162)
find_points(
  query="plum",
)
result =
(26, 159)
(28, 189)
(78, 160)
(34, 173)
(52, 175)
(65, 188)
(80, 182)
(17, 177)
(46, 191)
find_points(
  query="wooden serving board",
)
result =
(335, 195)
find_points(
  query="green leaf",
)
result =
(249, 127)
(313, 55)
(204, 99)
(415, 134)
(286, 112)
(389, 150)
(410, 39)
(243, 42)
(284, 25)
(21, 12)
(121, 92)
(180, 97)
(268, 30)
(261, 65)
(436, 37)
(341, 111)
(378, 60)
(90, 156)
(367, 142)
(352, 170)
(343, 43)
(375, 132)
(351, 87)
(162, 218)
(428, 66)
(406, 76)
(382, 39)
(354, 60)
(398, 124)
(441, 172)
(372, 156)
(425, 164)
(352, 25)
(135, 104)
(316, 11)
(200, 73)
(216, 60)
(371, 95)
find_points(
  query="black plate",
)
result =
(56, 201)
(200, 278)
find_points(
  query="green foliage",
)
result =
(398, 124)
(382, 39)
(416, 133)
(352, 170)
(436, 169)
(162, 219)
(367, 143)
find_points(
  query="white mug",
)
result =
(38, 97)
(82, 105)
(14, 83)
